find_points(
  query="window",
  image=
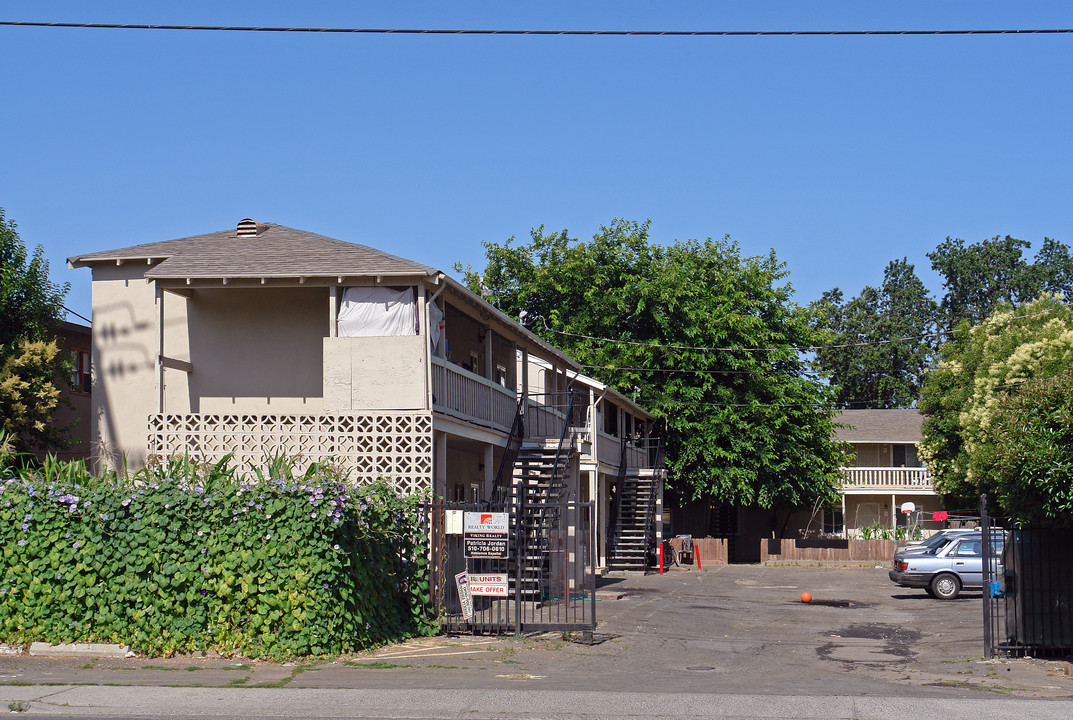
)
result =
(81, 371)
(501, 375)
(867, 455)
(833, 522)
(911, 457)
(899, 456)
(867, 514)
(970, 548)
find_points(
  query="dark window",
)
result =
(81, 371)
(899, 456)
(833, 523)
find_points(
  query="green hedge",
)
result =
(188, 557)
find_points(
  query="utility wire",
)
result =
(713, 371)
(810, 348)
(474, 31)
(81, 317)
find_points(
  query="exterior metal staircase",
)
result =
(540, 483)
(632, 527)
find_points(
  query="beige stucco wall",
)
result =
(125, 341)
(177, 397)
(252, 349)
(463, 469)
(375, 373)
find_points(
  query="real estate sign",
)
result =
(484, 534)
(494, 584)
(464, 596)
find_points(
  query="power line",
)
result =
(810, 348)
(590, 33)
(72, 312)
(711, 371)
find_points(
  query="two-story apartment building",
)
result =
(882, 472)
(265, 340)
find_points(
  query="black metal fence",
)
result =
(547, 582)
(1028, 592)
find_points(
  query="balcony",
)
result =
(470, 397)
(900, 479)
(546, 414)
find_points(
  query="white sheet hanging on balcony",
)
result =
(435, 327)
(377, 312)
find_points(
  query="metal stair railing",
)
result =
(503, 482)
(616, 501)
(650, 512)
(562, 443)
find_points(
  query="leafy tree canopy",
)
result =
(31, 307)
(708, 336)
(29, 392)
(875, 348)
(981, 276)
(1030, 451)
(979, 369)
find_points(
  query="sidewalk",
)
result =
(92, 702)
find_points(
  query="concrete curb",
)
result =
(100, 650)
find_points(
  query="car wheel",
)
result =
(946, 586)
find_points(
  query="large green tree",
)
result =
(980, 368)
(710, 338)
(31, 308)
(31, 305)
(878, 345)
(983, 275)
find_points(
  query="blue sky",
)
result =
(840, 153)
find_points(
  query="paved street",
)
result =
(728, 642)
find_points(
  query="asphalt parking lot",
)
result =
(731, 629)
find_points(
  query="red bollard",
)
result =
(696, 554)
(661, 558)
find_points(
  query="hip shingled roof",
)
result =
(279, 251)
(889, 426)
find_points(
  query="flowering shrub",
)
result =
(981, 368)
(186, 557)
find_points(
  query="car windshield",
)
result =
(938, 542)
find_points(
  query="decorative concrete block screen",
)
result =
(394, 446)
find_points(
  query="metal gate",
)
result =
(550, 575)
(1028, 591)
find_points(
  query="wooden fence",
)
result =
(790, 550)
(714, 551)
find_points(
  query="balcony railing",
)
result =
(609, 450)
(886, 478)
(467, 396)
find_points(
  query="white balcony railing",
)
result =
(886, 478)
(467, 396)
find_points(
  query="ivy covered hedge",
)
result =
(188, 557)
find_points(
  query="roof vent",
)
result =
(248, 228)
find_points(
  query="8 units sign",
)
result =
(484, 534)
